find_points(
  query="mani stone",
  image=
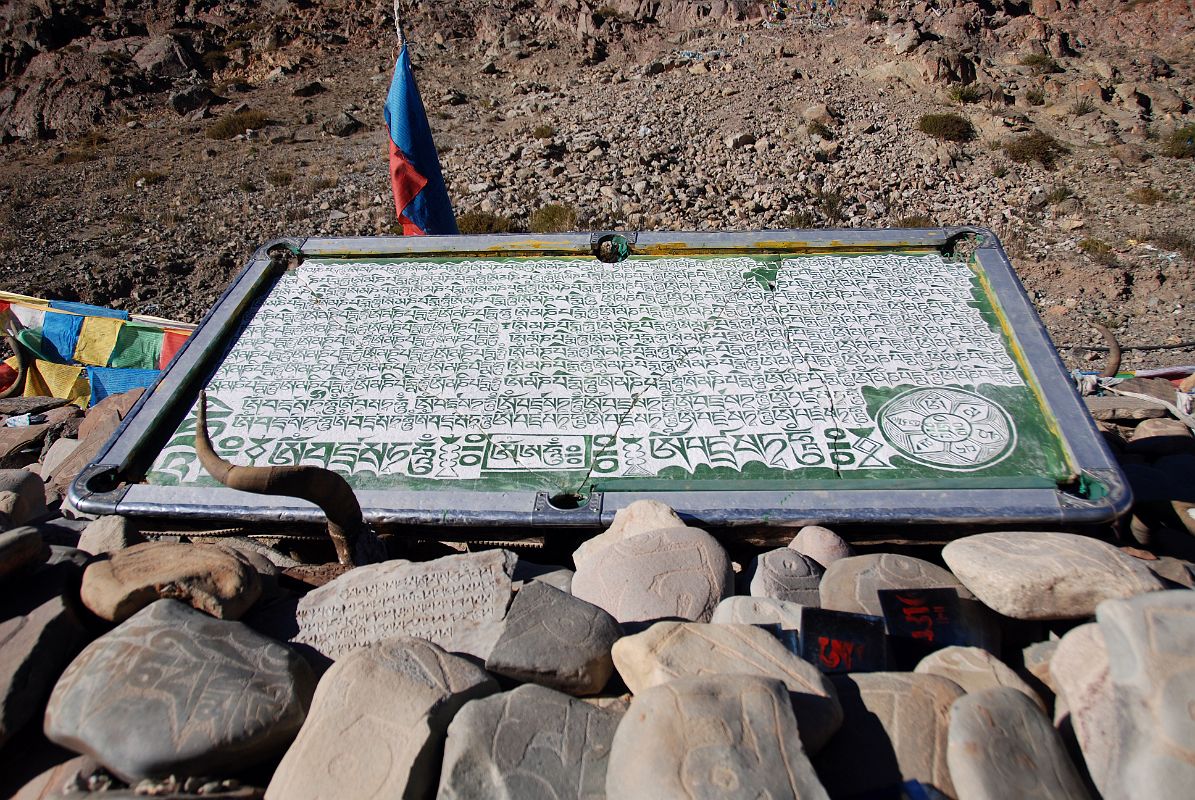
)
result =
(785, 574)
(974, 670)
(172, 691)
(1001, 746)
(641, 516)
(718, 736)
(532, 743)
(554, 639)
(377, 723)
(670, 650)
(1046, 576)
(758, 611)
(852, 584)
(894, 730)
(1085, 700)
(432, 600)
(669, 573)
(211, 579)
(20, 549)
(1151, 659)
(821, 544)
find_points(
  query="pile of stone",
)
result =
(656, 664)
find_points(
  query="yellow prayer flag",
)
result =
(47, 379)
(97, 339)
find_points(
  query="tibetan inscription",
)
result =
(562, 373)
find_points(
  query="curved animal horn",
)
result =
(18, 383)
(1113, 364)
(325, 488)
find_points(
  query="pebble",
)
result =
(758, 611)
(555, 640)
(1000, 746)
(785, 574)
(670, 650)
(172, 691)
(215, 580)
(852, 584)
(673, 572)
(974, 670)
(722, 736)
(1150, 644)
(895, 723)
(821, 544)
(377, 723)
(1046, 576)
(531, 743)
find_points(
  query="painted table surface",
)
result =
(568, 374)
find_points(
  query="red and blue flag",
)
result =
(420, 197)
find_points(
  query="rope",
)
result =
(402, 40)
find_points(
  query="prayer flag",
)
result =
(420, 197)
(137, 347)
(107, 381)
(97, 340)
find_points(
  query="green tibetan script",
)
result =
(571, 374)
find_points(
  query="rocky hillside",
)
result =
(152, 145)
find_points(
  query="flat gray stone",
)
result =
(894, 730)
(556, 577)
(432, 600)
(377, 723)
(670, 650)
(1151, 658)
(528, 744)
(20, 550)
(785, 574)
(821, 544)
(215, 580)
(852, 584)
(758, 611)
(108, 534)
(671, 573)
(723, 736)
(1085, 702)
(1114, 407)
(556, 640)
(1001, 746)
(1044, 576)
(174, 691)
(641, 516)
(974, 670)
(22, 497)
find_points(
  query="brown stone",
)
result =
(974, 670)
(21, 549)
(212, 579)
(1161, 437)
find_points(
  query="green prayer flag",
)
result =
(137, 347)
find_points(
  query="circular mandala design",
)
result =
(948, 428)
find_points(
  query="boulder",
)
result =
(1045, 576)
(852, 584)
(730, 736)
(974, 670)
(163, 57)
(378, 721)
(215, 580)
(555, 640)
(532, 743)
(1001, 746)
(641, 516)
(671, 572)
(897, 724)
(172, 691)
(670, 650)
(758, 611)
(785, 574)
(821, 544)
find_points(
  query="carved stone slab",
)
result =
(670, 650)
(716, 736)
(377, 724)
(785, 574)
(1000, 746)
(174, 691)
(896, 724)
(529, 744)
(974, 670)
(851, 584)
(213, 579)
(554, 639)
(670, 573)
(1046, 575)
(1151, 658)
(432, 600)
(821, 544)
(758, 611)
